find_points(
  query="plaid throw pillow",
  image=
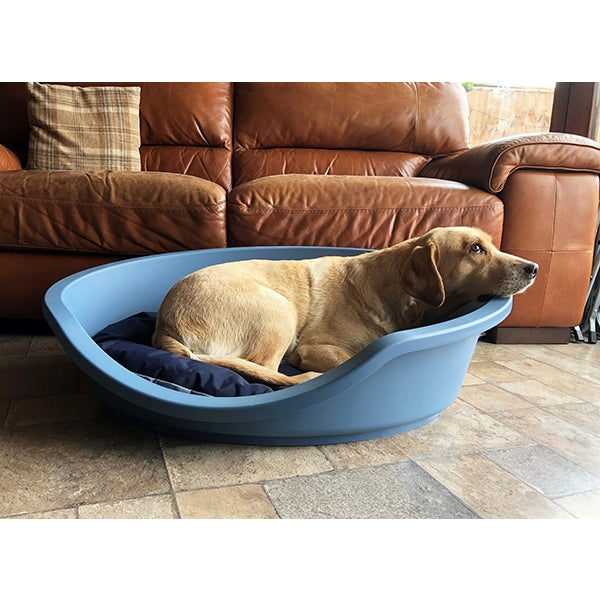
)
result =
(84, 128)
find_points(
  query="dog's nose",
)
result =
(531, 269)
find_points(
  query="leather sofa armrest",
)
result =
(9, 160)
(489, 165)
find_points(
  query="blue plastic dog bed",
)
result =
(400, 381)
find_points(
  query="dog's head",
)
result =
(463, 264)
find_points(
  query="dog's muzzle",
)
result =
(517, 282)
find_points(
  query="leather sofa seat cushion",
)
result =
(354, 211)
(127, 213)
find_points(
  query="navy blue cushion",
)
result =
(129, 342)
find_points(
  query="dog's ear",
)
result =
(421, 278)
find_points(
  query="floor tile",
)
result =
(555, 377)
(568, 440)
(492, 372)
(583, 351)
(485, 352)
(239, 502)
(490, 398)
(538, 393)
(59, 465)
(460, 429)
(361, 454)
(14, 346)
(576, 364)
(584, 415)
(544, 470)
(472, 380)
(149, 507)
(38, 376)
(490, 490)
(582, 506)
(4, 407)
(63, 407)
(67, 513)
(194, 466)
(400, 491)
(45, 345)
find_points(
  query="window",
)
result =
(501, 109)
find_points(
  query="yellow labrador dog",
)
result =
(316, 313)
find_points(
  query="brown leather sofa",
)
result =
(342, 164)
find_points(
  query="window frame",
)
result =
(575, 108)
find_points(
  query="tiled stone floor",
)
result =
(521, 441)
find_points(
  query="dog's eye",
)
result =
(477, 249)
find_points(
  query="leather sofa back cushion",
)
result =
(345, 128)
(184, 127)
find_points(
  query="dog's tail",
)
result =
(256, 373)
(248, 369)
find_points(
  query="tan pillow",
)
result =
(84, 128)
